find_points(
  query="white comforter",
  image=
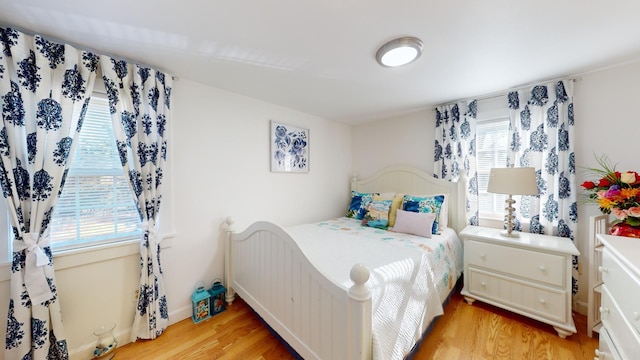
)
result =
(404, 272)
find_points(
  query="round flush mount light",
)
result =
(399, 51)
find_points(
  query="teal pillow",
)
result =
(358, 205)
(377, 214)
(425, 204)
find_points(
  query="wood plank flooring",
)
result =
(477, 331)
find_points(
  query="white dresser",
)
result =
(620, 309)
(529, 275)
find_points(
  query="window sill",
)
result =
(91, 254)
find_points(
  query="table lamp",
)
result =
(512, 181)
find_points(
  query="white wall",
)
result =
(606, 123)
(404, 140)
(219, 158)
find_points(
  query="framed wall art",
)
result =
(289, 148)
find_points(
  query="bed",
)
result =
(336, 289)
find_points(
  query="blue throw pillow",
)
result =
(358, 205)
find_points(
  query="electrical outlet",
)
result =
(135, 295)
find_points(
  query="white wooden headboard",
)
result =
(412, 181)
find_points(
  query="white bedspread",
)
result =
(406, 272)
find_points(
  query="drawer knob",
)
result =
(543, 301)
(483, 256)
(603, 269)
(604, 310)
(483, 284)
(600, 354)
(542, 268)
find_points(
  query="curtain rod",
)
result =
(84, 48)
(501, 93)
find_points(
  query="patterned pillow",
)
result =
(395, 205)
(377, 214)
(427, 204)
(358, 205)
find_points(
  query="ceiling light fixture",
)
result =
(399, 51)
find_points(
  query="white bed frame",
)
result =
(316, 317)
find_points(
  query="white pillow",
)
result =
(414, 223)
(386, 196)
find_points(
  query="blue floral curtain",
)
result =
(41, 85)
(455, 149)
(541, 135)
(139, 100)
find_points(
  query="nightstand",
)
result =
(529, 275)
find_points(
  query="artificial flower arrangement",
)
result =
(616, 193)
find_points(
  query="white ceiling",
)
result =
(317, 56)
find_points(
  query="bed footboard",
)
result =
(316, 317)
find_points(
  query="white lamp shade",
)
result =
(513, 181)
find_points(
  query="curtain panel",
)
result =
(139, 101)
(455, 150)
(41, 84)
(541, 135)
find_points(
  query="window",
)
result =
(96, 205)
(491, 146)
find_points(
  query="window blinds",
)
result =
(96, 204)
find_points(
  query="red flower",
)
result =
(604, 182)
(588, 185)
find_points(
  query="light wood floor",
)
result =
(477, 331)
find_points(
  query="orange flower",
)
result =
(605, 203)
(629, 193)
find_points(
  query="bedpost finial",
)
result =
(229, 221)
(359, 275)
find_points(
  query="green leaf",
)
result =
(633, 221)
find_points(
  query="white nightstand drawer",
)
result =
(626, 339)
(623, 287)
(534, 265)
(544, 302)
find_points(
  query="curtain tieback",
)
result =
(150, 226)
(35, 278)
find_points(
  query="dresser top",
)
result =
(625, 248)
(525, 240)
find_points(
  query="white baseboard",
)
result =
(581, 308)
(85, 351)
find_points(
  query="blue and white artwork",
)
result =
(289, 148)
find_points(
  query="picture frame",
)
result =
(289, 148)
